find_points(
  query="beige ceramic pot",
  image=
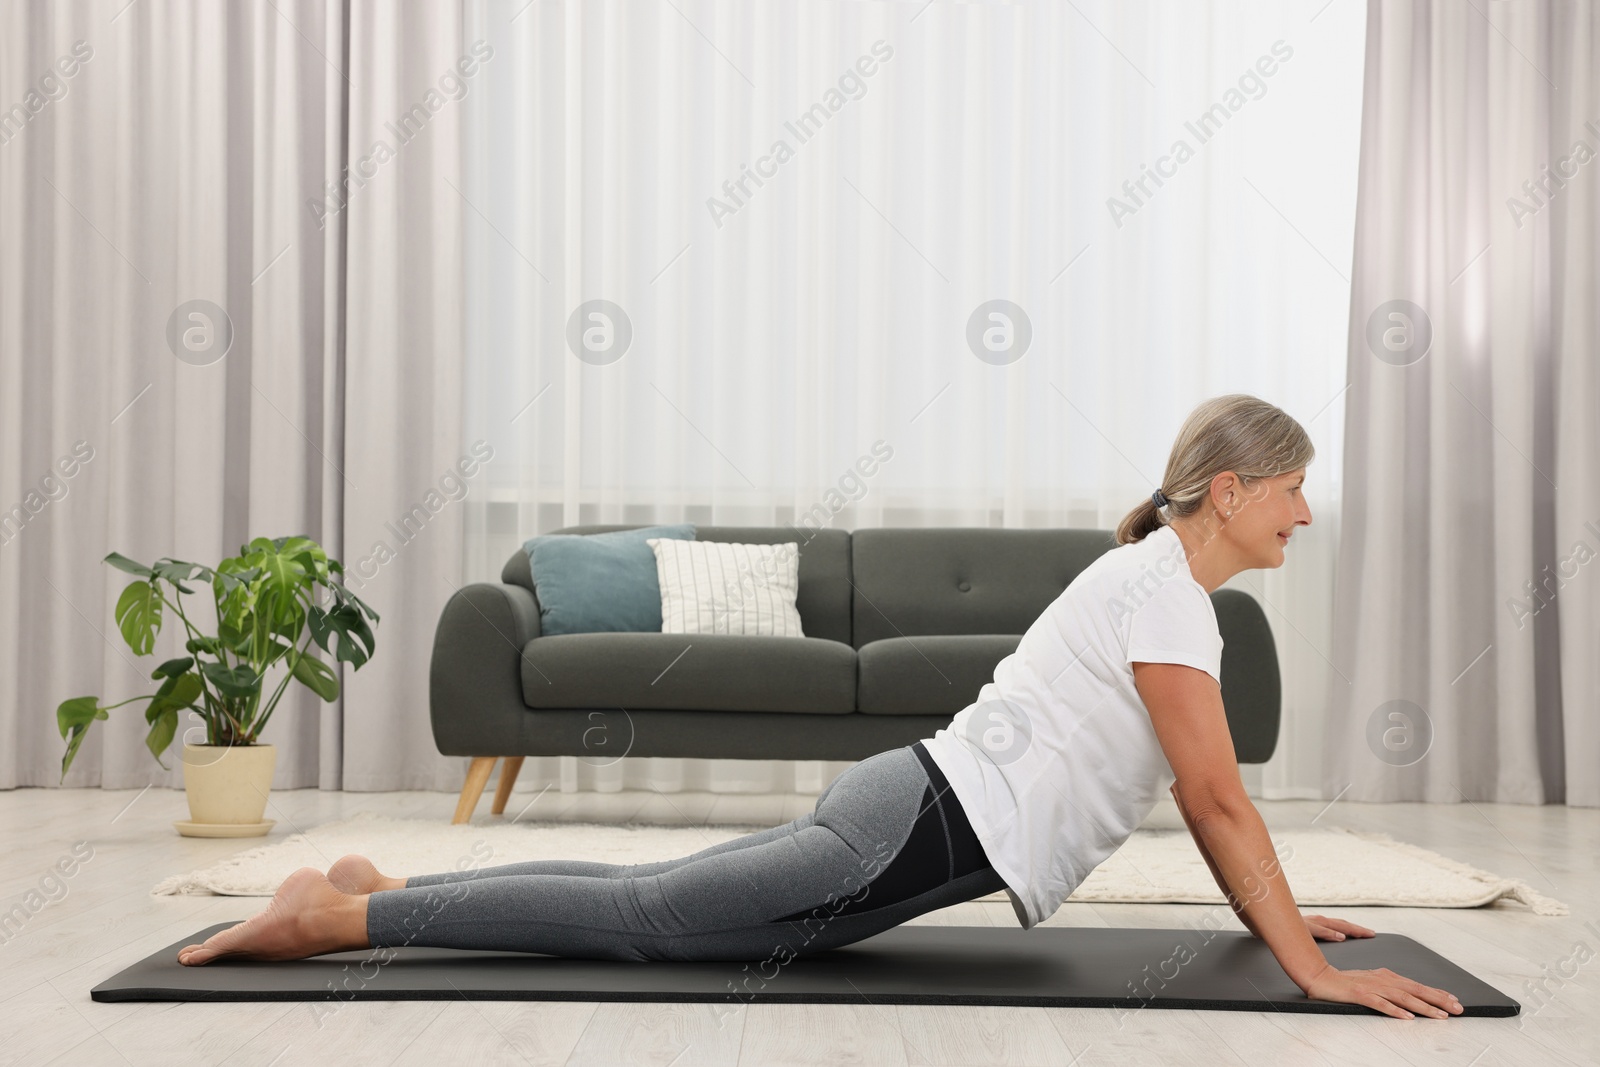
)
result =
(227, 788)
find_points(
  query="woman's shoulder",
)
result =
(1152, 573)
(1159, 554)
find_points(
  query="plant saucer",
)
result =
(223, 829)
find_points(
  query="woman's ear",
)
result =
(1225, 490)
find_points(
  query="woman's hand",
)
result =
(1325, 929)
(1383, 990)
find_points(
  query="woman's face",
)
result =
(1266, 519)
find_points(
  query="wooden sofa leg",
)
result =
(509, 769)
(477, 778)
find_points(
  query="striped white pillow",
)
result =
(716, 587)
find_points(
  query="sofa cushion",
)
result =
(707, 672)
(824, 597)
(932, 674)
(719, 587)
(958, 580)
(599, 582)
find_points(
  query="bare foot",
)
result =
(356, 874)
(306, 917)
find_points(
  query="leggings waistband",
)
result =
(966, 851)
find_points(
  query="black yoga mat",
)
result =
(1048, 967)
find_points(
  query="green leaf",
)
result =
(173, 667)
(162, 732)
(204, 644)
(234, 593)
(175, 694)
(293, 546)
(79, 711)
(362, 604)
(286, 621)
(74, 717)
(317, 676)
(72, 749)
(355, 642)
(139, 616)
(233, 572)
(176, 570)
(234, 609)
(233, 639)
(236, 682)
(123, 563)
(282, 578)
(342, 595)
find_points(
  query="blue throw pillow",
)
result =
(595, 582)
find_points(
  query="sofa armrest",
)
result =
(1252, 690)
(475, 697)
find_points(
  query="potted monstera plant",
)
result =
(267, 598)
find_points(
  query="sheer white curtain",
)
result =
(795, 212)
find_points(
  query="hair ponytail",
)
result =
(1236, 432)
(1140, 523)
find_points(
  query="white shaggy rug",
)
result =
(1325, 868)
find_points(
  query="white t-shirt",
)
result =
(1056, 763)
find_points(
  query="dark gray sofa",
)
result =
(903, 627)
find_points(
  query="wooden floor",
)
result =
(105, 919)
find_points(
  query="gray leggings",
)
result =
(802, 887)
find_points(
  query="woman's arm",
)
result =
(1185, 706)
(1222, 883)
(1321, 926)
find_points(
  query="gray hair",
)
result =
(1236, 432)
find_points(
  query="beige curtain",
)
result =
(404, 373)
(290, 165)
(153, 156)
(1468, 611)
